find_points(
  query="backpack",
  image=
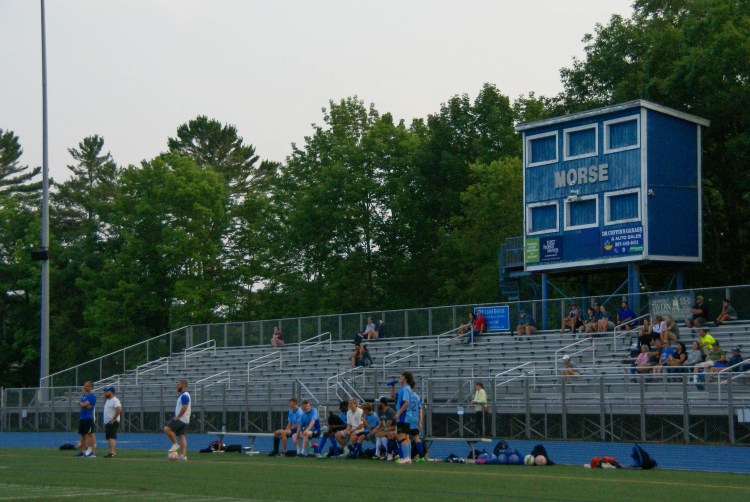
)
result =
(500, 447)
(478, 453)
(641, 459)
(233, 448)
(68, 446)
(540, 450)
(597, 462)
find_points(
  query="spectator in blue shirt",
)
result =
(526, 324)
(309, 427)
(624, 315)
(292, 426)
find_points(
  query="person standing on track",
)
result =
(177, 427)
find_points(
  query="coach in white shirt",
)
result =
(112, 412)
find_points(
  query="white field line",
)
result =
(25, 492)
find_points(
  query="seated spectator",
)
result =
(735, 359)
(604, 322)
(727, 313)
(572, 320)
(371, 331)
(645, 333)
(705, 341)
(353, 425)
(642, 363)
(277, 340)
(371, 427)
(309, 428)
(365, 358)
(336, 423)
(624, 315)
(526, 324)
(589, 321)
(715, 356)
(568, 369)
(480, 327)
(380, 329)
(465, 328)
(694, 356)
(671, 330)
(676, 361)
(700, 313)
(357, 355)
(658, 326)
(665, 354)
(654, 353)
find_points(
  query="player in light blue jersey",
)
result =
(292, 426)
(309, 427)
(403, 400)
(415, 424)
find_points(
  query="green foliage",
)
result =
(16, 179)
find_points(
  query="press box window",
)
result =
(542, 218)
(582, 212)
(541, 149)
(623, 206)
(581, 142)
(621, 134)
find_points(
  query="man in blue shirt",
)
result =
(371, 428)
(624, 315)
(309, 427)
(292, 426)
(87, 408)
(177, 427)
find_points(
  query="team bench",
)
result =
(250, 450)
(472, 442)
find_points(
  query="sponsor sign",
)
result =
(498, 317)
(622, 241)
(551, 249)
(677, 305)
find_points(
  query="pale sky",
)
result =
(132, 71)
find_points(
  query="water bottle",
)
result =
(460, 410)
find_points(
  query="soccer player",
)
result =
(415, 423)
(112, 412)
(177, 427)
(336, 423)
(87, 408)
(353, 425)
(371, 426)
(403, 415)
(309, 427)
(387, 431)
(290, 430)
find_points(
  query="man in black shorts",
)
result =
(112, 412)
(87, 408)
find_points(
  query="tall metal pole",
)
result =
(44, 356)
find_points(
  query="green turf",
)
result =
(43, 474)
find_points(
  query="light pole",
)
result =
(44, 350)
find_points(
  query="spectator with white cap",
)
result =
(568, 369)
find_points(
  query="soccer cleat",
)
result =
(91, 455)
(420, 459)
(80, 454)
(389, 458)
(403, 461)
(110, 455)
(174, 447)
(183, 458)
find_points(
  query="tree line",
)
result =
(367, 213)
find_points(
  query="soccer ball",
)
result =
(173, 455)
(514, 459)
(528, 460)
(540, 460)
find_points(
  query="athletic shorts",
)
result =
(178, 427)
(402, 427)
(110, 430)
(315, 434)
(414, 432)
(86, 426)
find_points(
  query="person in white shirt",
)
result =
(112, 412)
(353, 425)
(178, 425)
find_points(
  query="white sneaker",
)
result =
(403, 461)
(347, 451)
(174, 447)
(183, 458)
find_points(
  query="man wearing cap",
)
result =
(727, 313)
(568, 369)
(112, 412)
(736, 359)
(700, 313)
(526, 324)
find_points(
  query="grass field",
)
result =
(44, 474)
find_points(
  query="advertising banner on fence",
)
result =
(675, 304)
(498, 317)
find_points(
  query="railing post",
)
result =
(225, 334)
(527, 399)
(299, 330)
(429, 321)
(602, 417)
(643, 408)
(730, 408)
(203, 411)
(685, 410)
(260, 334)
(406, 323)
(494, 407)
(563, 407)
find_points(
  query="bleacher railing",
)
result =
(313, 342)
(403, 355)
(207, 346)
(267, 360)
